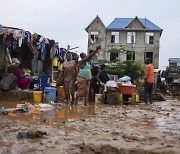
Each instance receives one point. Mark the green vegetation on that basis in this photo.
(119, 49)
(133, 69)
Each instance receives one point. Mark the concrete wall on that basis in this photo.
(98, 26)
(140, 47)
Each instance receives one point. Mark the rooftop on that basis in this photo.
(122, 23)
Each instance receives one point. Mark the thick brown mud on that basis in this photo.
(152, 129)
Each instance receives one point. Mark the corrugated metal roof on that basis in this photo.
(121, 23)
(174, 60)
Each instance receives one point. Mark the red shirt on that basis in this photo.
(149, 73)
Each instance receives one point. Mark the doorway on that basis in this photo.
(148, 55)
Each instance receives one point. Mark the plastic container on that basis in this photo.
(61, 93)
(54, 62)
(119, 96)
(60, 66)
(44, 81)
(126, 89)
(53, 84)
(137, 98)
(50, 94)
(98, 98)
(37, 97)
(7, 81)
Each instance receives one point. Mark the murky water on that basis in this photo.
(113, 129)
(8, 104)
(56, 116)
(170, 119)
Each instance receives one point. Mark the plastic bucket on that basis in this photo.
(137, 98)
(126, 89)
(54, 62)
(44, 81)
(118, 97)
(50, 94)
(61, 93)
(37, 97)
(98, 98)
(60, 66)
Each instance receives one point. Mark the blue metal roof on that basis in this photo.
(121, 23)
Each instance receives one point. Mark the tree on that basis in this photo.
(132, 69)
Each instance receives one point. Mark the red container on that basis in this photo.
(126, 89)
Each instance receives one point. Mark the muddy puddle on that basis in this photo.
(152, 129)
(8, 104)
(59, 115)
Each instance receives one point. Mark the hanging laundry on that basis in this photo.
(28, 36)
(35, 36)
(38, 41)
(57, 50)
(63, 53)
(15, 44)
(46, 40)
(23, 34)
(43, 47)
(9, 41)
(5, 34)
(1, 29)
(17, 34)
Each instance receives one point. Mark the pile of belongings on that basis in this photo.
(125, 80)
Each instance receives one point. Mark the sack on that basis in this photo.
(7, 81)
(60, 79)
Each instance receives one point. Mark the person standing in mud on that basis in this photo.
(94, 84)
(84, 76)
(69, 74)
(102, 75)
(149, 80)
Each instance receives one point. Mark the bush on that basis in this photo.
(132, 69)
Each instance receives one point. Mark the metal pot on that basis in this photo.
(112, 89)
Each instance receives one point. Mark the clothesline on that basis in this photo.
(11, 28)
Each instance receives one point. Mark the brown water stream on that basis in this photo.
(95, 129)
(56, 116)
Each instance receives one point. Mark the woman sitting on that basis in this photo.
(23, 82)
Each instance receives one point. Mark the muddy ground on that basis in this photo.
(149, 129)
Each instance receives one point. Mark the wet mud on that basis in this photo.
(94, 129)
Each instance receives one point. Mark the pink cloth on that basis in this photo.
(22, 82)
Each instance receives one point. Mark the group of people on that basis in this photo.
(79, 73)
(90, 78)
(87, 77)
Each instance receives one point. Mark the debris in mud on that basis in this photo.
(63, 122)
(31, 134)
(133, 137)
(3, 111)
(159, 97)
